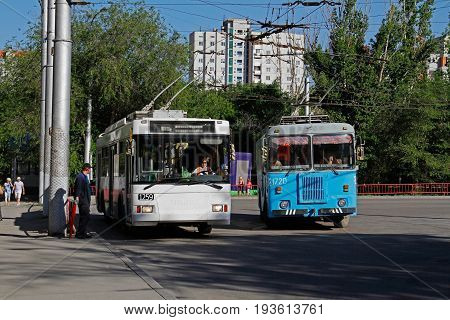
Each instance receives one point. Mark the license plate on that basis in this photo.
(146, 196)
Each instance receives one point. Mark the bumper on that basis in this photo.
(311, 213)
(149, 219)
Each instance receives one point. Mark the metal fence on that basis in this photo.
(404, 189)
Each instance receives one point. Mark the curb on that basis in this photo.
(141, 273)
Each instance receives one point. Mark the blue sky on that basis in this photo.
(192, 15)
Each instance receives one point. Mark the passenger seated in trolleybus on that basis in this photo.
(333, 151)
(290, 153)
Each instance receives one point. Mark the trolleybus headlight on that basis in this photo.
(342, 202)
(147, 209)
(217, 208)
(284, 204)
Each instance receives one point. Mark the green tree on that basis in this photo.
(122, 57)
(258, 106)
(200, 103)
(383, 86)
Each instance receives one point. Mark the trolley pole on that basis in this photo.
(44, 18)
(59, 174)
(48, 101)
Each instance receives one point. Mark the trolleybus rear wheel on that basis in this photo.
(341, 222)
(204, 228)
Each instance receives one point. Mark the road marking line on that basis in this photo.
(141, 273)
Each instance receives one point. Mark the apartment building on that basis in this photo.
(439, 61)
(233, 55)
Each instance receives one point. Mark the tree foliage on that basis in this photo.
(383, 86)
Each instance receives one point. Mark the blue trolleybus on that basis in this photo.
(306, 168)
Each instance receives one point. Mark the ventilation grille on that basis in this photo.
(312, 189)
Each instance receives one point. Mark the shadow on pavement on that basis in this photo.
(32, 223)
(238, 222)
(336, 266)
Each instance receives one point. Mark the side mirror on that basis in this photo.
(264, 153)
(360, 151)
(131, 147)
(232, 152)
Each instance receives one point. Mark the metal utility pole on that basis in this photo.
(44, 17)
(307, 111)
(59, 175)
(48, 100)
(87, 145)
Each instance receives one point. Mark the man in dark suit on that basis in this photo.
(82, 196)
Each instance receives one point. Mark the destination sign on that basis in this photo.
(182, 127)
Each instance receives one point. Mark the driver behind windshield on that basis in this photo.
(203, 169)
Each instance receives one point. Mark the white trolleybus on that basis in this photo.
(160, 167)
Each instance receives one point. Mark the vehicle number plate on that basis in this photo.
(146, 196)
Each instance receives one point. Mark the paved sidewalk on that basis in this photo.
(35, 266)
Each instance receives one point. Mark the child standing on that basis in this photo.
(241, 186)
(249, 186)
(8, 188)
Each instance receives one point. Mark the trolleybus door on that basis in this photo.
(129, 179)
(112, 152)
(129, 174)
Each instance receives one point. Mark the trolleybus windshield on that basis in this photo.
(166, 158)
(291, 152)
(333, 151)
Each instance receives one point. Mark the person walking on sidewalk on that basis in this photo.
(82, 197)
(19, 190)
(8, 189)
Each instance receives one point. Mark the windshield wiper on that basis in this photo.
(187, 181)
(334, 170)
(162, 181)
(207, 183)
(292, 169)
(289, 171)
(150, 185)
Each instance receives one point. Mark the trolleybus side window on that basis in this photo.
(291, 152)
(333, 151)
(122, 158)
(149, 158)
(105, 162)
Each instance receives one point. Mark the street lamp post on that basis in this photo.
(44, 19)
(59, 172)
(48, 100)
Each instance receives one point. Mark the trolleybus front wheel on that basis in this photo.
(204, 228)
(341, 222)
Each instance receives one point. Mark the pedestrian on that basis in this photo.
(249, 186)
(19, 190)
(82, 197)
(241, 186)
(8, 189)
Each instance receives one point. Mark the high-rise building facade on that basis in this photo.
(234, 55)
(439, 61)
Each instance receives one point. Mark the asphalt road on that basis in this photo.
(394, 249)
